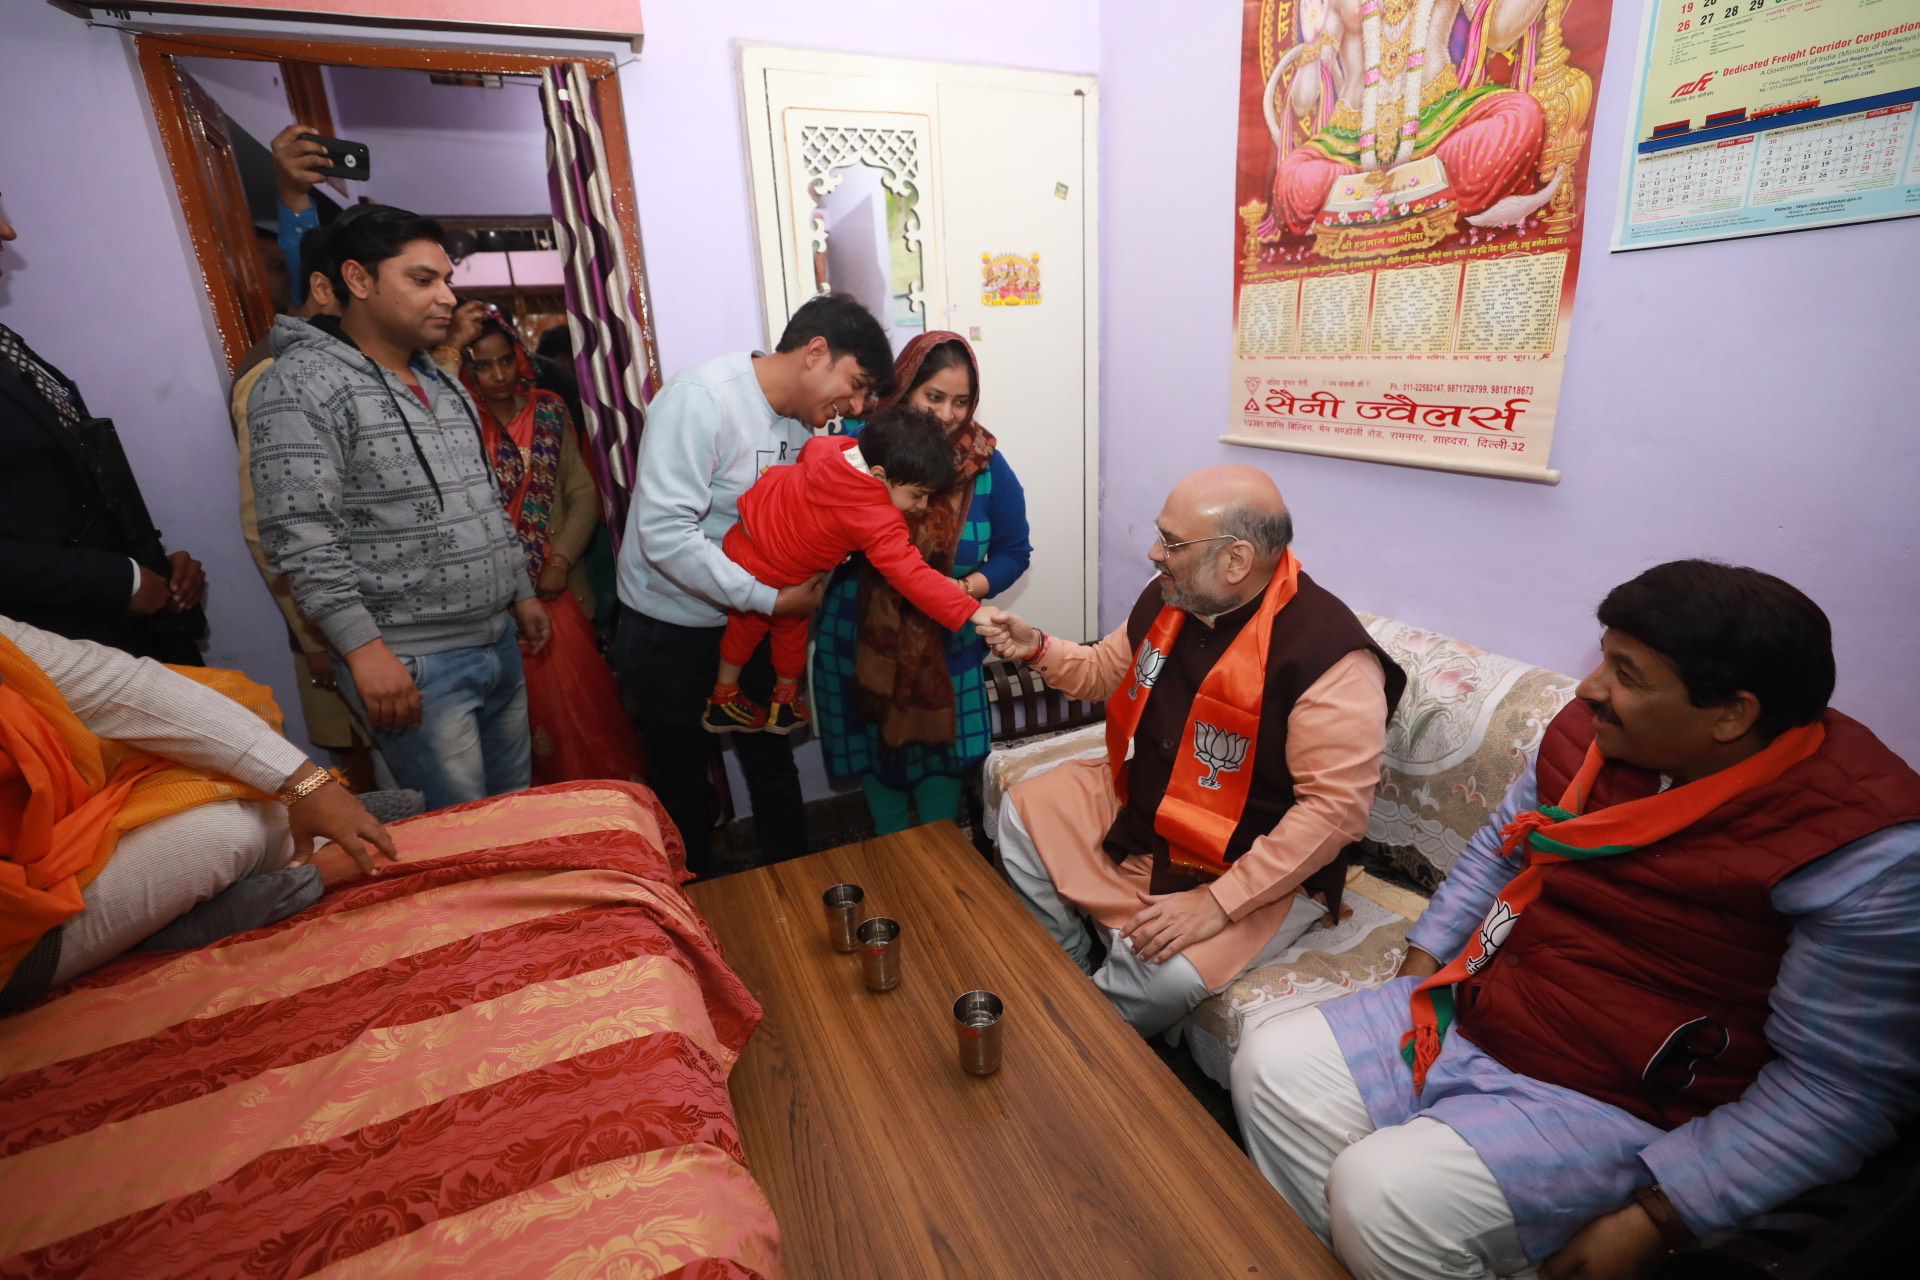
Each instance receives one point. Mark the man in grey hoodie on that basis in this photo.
(710, 433)
(377, 504)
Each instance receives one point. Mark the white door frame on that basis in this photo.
(769, 185)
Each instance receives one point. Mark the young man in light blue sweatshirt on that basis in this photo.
(710, 433)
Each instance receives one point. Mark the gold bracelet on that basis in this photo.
(300, 790)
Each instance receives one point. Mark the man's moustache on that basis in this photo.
(1603, 713)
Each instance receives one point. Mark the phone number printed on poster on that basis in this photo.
(1410, 205)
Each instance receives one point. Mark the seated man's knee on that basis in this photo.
(1276, 1058)
(1151, 997)
(1412, 1200)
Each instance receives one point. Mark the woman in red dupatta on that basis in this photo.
(573, 706)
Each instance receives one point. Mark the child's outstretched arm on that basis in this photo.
(901, 564)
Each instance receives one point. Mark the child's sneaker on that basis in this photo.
(788, 712)
(734, 713)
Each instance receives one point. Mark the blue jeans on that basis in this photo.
(472, 741)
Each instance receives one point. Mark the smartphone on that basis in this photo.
(349, 159)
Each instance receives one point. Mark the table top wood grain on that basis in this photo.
(1082, 1157)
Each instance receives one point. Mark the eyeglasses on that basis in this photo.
(1171, 547)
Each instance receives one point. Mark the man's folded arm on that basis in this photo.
(1846, 1024)
(1336, 734)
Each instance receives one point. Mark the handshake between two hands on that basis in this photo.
(1008, 635)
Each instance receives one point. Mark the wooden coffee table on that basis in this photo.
(1083, 1157)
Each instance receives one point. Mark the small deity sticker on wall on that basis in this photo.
(1010, 280)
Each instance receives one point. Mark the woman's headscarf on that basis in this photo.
(900, 662)
(525, 456)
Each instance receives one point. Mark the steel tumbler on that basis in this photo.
(843, 904)
(880, 953)
(976, 1017)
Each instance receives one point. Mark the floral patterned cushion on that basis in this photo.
(1465, 729)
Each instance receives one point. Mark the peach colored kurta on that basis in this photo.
(1336, 734)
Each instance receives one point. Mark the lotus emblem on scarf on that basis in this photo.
(1146, 669)
(1493, 934)
(1219, 750)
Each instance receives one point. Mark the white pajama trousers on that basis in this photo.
(1408, 1202)
(1151, 997)
(164, 869)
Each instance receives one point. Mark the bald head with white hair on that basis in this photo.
(1221, 535)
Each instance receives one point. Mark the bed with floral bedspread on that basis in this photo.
(505, 1057)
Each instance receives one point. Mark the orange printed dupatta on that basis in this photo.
(66, 796)
(1563, 833)
(1213, 773)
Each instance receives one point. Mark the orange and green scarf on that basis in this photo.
(1562, 833)
(1212, 775)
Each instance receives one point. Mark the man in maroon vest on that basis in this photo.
(1674, 983)
(1246, 717)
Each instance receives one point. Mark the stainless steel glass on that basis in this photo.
(880, 953)
(843, 906)
(976, 1018)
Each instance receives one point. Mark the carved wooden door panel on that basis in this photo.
(200, 154)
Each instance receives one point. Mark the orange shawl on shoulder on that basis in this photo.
(66, 796)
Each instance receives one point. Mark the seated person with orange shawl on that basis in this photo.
(1672, 984)
(1246, 716)
(130, 793)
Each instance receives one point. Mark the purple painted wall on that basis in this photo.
(104, 283)
(689, 144)
(1749, 400)
(444, 150)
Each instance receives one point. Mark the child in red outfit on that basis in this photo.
(841, 496)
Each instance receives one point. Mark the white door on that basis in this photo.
(962, 198)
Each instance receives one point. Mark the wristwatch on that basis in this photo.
(318, 778)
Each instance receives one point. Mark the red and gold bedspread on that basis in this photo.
(506, 1057)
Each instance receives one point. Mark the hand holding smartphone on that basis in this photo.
(350, 160)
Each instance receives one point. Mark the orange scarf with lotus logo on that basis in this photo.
(1569, 832)
(1213, 772)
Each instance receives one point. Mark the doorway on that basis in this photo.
(216, 101)
(895, 181)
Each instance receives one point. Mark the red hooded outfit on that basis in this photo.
(803, 519)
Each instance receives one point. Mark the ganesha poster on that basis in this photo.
(1411, 201)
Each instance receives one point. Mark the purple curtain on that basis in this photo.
(613, 349)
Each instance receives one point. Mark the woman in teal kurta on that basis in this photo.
(899, 704)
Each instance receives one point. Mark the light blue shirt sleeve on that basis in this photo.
(1467, 894)
(292, 227)
(1846, 1024)
(679, 456)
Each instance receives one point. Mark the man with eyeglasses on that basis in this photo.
(1246, 718)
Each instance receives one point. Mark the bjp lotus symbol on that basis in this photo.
(1219, 750)
(1146, 669)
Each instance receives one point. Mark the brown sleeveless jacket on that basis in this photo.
(1314, 631)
